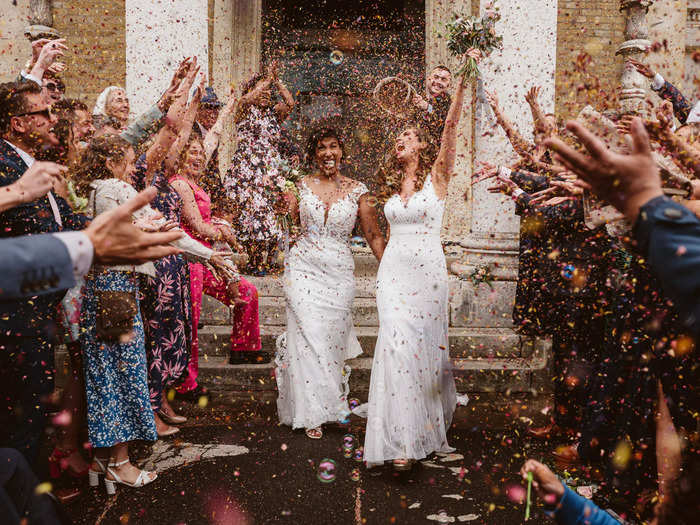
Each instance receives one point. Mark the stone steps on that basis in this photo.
(510, 375)
(487, 343)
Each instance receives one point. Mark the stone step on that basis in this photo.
(214, 341)
(469, 305)
(514, 375)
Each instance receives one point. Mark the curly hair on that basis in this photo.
(389, 175)
(93, 162)
(318, 135)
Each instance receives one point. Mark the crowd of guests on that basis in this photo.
(129, 321)
(623, 328)
(619, 300)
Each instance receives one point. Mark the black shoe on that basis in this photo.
(192, 395)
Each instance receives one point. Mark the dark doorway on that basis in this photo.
(333, 53)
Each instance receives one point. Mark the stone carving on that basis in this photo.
(41, 20)
(634, 84)
(41, 12)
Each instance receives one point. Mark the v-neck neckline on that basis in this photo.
(327, 207)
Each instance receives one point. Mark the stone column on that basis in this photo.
(528, 58)
(437, 13)
(159, 35)
(40, 20)
(222, 68)
(634, 84)
(246, 40)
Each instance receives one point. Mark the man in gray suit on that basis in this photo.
(33, 265)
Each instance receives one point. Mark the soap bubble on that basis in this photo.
(355, 474)
(353, 403)
(348, 445)
(337, 57)
(326, 471)
(568, 271)
(359, 454)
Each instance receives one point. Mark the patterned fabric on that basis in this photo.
(681, 106)
(116, 384)
(166, 305)
(69, 314)
(254, 181)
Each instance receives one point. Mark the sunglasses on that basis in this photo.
(53, 86)
(46, 113)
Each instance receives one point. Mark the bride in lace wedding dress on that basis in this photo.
(319, 285)
(412, 394)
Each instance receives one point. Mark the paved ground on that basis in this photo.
(235, 465)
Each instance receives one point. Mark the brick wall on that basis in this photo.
(595, 27)
(95, 33)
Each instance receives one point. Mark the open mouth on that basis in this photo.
(400, 148)
(329, 164)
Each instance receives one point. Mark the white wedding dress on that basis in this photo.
(412, 393)
(319, 286)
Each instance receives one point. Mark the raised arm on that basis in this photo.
(191, 215)
(445, 162)
(284, 108)
(520, 145)
(369, 222)
(538, 117)
(211, 141)
(184, 132)
(169, 132)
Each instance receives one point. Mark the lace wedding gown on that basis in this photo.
(319, 286)
(412, 392)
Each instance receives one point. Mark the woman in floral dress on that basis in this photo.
(166, 308)
(254, 181)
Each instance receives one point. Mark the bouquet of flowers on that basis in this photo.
(465, 33)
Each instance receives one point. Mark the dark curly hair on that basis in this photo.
(318, 135)
(389, 175)
(93, 161)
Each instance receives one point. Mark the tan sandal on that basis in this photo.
(314, 433)
(403, 465)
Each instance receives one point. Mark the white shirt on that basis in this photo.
(80, 250)
(29, 161)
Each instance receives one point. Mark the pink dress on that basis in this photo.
(245, 335)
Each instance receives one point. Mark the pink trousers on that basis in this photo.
(245, 334)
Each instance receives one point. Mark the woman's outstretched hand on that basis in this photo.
(545, 482)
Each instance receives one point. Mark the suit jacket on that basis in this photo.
(434, 120)
(681, 106)
(33, 317)
(34, 265)
(669, 237)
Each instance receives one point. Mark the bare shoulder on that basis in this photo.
(181, 186)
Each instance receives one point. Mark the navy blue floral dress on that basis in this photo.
(165, 304)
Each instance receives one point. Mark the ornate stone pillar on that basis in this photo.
(40, 20)
(634, 84)
(437, 13)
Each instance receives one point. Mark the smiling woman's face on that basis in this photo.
(194, 158)
(408, 144)
(328, 155)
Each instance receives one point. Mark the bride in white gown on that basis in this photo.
(412, 393)
(319, 285)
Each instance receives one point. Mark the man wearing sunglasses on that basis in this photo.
(27, 325)
(53, 88)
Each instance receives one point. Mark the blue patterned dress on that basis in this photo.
(118, 405)
(166, 305)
